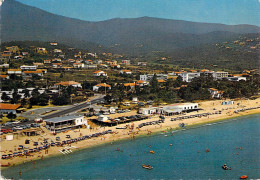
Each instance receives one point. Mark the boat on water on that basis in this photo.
(243, 177)
(207, 150)
(225, 167)
(147, 166)
(152, 152)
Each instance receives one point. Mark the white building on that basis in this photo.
(24, 67)
(78, 65)
(125, 71)
(237, 78)
(104, 85)
(68, 83)
(188, 76)
(57, 51)
(148, 111)
(59, 124)
(170, 109)
(148, 77)
(220, 75)
(99, 73)
(14, 71)
(215, 93)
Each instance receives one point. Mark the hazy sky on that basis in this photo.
(215, 11)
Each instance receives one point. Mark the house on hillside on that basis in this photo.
(215, 93)
(125, 71)
(25, 67)
(57, 65)
(53, 43)
(188, 76)
(98, 86)
(126, 62)
(131, 85)
(30, 74)
(13, 49)
(142, 83)
(78, 65)
(99, 73)
(4, 66)
(41, 50)
(47, 61)
(8, 108)
(68, 83)
(4, 77)
(57, 51)
(14, 71)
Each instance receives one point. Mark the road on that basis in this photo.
(75, 108)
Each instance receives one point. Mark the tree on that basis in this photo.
(5, 97)
(11, 116)
(23, 102)
(26, 93)
(16, 97)
(108, 99)
(154, 86)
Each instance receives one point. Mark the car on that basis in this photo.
(8, 123)
(35, 125)
(106, 113)
(16, 122)
(76, 104)
(6, 131)
(18, 128)
(23, 126)
(24, 120)
(28, 125)
(127, 110)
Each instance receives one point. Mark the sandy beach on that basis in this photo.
(120, 134)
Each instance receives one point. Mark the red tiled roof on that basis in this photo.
(33, 72)
(9, 106)
(103, 85)
(3, 76)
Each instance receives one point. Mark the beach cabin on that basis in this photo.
(59, 124)
(148, 111)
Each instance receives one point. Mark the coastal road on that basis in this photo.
(75, 108)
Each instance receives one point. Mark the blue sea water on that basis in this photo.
(185, 159)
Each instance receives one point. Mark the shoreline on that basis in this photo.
(124, 135)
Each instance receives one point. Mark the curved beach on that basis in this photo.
(227, 111)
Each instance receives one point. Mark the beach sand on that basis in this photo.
(120, 134)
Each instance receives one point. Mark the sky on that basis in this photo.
(212, 11)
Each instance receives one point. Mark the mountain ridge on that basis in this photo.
(22, 22)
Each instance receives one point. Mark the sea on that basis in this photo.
(178, 155)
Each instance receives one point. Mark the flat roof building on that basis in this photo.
(59, 124)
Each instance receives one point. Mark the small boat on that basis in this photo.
(207, 150)
(152, 152)
(147, 167)
(243, 177)
(225, 167)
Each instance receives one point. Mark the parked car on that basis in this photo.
(6, 131)
(35, 125)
